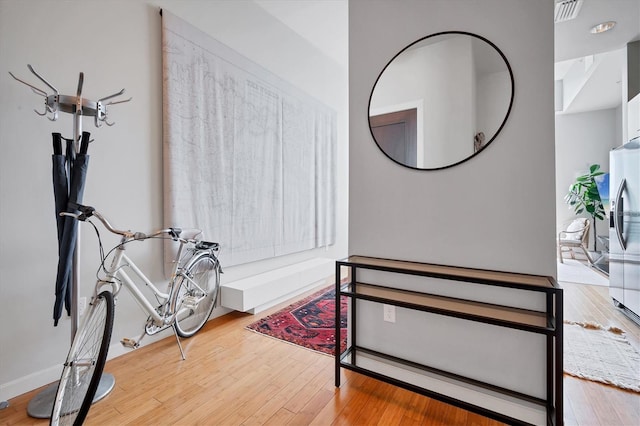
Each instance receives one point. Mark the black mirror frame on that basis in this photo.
(504, 58)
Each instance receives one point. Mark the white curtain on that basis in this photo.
(248, 158)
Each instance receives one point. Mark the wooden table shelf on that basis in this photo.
(475, 311)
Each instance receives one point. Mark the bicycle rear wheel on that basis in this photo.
(196, 294)
(85, 363)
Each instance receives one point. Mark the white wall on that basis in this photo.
(117, 45)
(583, 139)
(448, 118)
(492, 101)
(496, 211)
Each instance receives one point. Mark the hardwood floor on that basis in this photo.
(591, 403)
(236, 377)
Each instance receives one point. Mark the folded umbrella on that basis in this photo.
(61, 171)
(60, 182)
(77, 168)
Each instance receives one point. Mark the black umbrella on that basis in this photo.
(60, 181)
(61, 195)
(69, 175)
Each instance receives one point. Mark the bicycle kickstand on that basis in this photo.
(175, 332)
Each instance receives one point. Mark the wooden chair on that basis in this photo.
(576, 236)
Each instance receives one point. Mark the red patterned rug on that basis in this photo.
(309, 323)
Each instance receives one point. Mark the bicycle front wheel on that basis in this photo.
(85, 363)
(196, 294)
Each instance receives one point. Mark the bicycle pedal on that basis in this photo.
(129, 343)
(190, 302)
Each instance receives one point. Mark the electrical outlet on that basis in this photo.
(389, 313)
(82, 306)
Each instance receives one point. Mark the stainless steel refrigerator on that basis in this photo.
(624, 227)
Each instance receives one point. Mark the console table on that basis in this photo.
(547, 323)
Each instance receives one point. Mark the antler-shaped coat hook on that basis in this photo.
(72, 104)
(101, 115)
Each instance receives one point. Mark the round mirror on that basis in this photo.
(441, 100)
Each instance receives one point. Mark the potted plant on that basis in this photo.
(584, 196)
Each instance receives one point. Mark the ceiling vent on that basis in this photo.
(567, 10)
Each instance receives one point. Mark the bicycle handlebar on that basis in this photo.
(87, 211)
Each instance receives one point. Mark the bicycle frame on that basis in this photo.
(166, 314)
(117, 275)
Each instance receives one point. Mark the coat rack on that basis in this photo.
(41, 405)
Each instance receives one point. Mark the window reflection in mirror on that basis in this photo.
(441, 100)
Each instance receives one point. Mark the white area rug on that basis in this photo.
(573, 271)
(603, 355)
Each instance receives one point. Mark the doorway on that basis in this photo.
(396, 134)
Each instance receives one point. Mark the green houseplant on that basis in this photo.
(584, 196)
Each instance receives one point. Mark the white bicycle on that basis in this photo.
(191, 295)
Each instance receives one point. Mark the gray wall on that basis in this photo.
(496, 211)
(633, 69)
(117, 45)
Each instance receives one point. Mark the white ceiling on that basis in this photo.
(324, 24)
(574, 41)
(573, 38)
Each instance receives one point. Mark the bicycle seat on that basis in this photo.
(207, 245)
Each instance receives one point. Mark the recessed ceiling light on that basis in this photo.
(605, 26)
